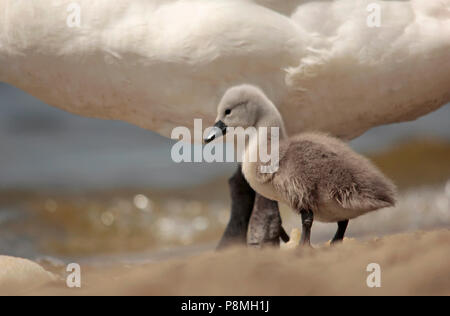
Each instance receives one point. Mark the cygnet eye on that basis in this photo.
(227, 112)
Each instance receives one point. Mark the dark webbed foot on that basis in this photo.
(340, 233)
(307, 221)
(265, 224)
(242, 201)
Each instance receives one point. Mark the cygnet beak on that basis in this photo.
(219, 130)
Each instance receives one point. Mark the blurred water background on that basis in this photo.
(74, 188)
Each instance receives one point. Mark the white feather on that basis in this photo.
(161, 63)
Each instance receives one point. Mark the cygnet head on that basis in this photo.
(245, 106)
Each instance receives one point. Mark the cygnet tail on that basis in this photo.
(380, 194)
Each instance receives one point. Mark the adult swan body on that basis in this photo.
(161, 63)
(336, 66)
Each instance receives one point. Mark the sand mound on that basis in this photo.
(21, 275)
(411, 264)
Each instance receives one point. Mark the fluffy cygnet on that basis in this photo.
(318, 176)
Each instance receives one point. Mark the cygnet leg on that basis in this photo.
(307, 221)
(340, 233)
(242, 201)
(265, 224)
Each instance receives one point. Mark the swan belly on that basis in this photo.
(329, 211)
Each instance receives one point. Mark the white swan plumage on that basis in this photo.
(161, 63)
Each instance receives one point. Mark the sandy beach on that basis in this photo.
(411, 264)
